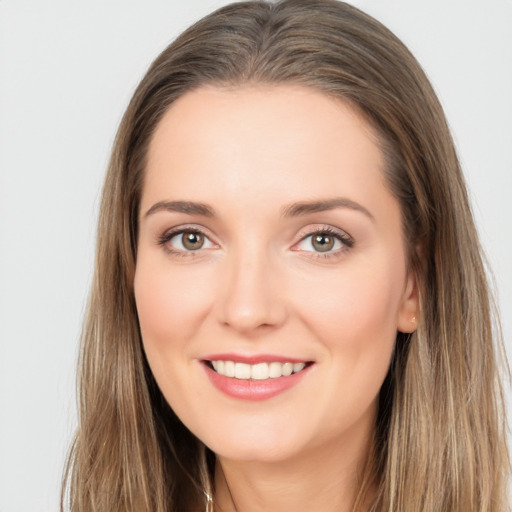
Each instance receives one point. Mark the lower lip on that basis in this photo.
(254, 390)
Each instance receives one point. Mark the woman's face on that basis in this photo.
(269, 243)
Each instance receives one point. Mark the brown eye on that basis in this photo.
(325, 242)
(322, 242)
(186, 241)
(192, 240)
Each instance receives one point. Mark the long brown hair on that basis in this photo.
(440, 434)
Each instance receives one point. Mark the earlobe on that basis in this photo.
(409, 309)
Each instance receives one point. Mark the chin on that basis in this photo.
(270, 444)
(255, 453)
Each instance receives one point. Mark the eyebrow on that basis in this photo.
(297, 209)
(188, 207)
(322, 205)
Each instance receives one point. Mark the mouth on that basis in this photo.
(254, 378)
(259, 371)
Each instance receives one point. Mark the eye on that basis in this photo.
(319, 242)
(186, 240)
(324, 241)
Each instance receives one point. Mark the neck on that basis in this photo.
(324, 480)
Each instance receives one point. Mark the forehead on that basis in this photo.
(219, 144)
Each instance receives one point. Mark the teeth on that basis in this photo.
(287, 369)
(259, 371)
(275, 370)
(242, 371)
(229, 368)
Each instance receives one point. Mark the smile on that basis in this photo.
(259, 371)
(252, 378)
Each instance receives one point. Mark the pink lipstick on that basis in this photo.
(256, 377)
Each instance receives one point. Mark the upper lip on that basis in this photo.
(255, 359)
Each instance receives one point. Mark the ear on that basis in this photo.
(408, 313)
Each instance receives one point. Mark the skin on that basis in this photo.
(259, 286)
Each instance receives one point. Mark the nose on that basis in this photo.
(252, 297)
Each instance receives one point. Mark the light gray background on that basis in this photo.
(67, 70)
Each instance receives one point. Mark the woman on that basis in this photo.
(289, 309)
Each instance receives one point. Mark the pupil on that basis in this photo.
(323, 243)
(193, 241)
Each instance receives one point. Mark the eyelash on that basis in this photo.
(346, 241)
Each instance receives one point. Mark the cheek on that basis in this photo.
(354, 315)
(368, 307)
(355, 299)
(170, 305)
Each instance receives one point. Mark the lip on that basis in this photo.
(253, 390)
(254, 359)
